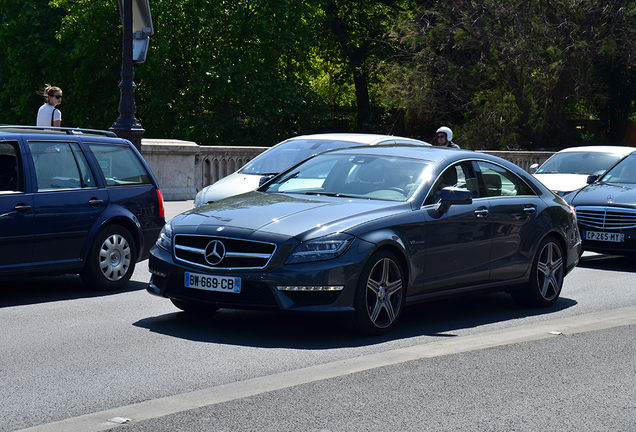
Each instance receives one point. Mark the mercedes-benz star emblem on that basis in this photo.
(214, 252)
(610, 199)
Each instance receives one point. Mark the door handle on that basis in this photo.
(481, 212)
(95, 202)
(530, 209)
(22, 208)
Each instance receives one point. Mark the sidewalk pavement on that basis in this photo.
(173, 208)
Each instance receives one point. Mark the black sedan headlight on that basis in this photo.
(320, 249)
(164, 241)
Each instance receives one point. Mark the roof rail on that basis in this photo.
(57, 130)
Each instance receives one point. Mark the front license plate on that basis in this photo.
(212, 283)
(604, 236)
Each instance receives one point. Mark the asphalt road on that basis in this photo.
(74, 360)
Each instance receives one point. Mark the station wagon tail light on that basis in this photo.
(162, 212)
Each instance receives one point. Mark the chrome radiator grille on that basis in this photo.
(221, 252)
(606, 217)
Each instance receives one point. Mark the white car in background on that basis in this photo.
(285, 154)
(569, 169)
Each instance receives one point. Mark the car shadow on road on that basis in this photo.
(439, 319)
(608, 262)
(18, 292)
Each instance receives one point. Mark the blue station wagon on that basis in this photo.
(75, 201)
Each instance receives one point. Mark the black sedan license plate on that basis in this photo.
(212, 283)
(604, 236)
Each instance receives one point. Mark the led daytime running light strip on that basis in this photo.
(310, 288)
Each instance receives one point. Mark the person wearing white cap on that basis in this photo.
(444, 138)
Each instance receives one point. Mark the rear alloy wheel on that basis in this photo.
(379, 295)
(111, 259)
(546, 279)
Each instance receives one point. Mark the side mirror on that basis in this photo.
(533, 168)
(264, 180)
(454, 195)
(592, 178)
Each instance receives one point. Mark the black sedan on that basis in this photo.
(606, 210)
(363, 231)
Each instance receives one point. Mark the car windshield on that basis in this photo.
(624, 172)
(579, 163)
(289, 153)
(360, 176)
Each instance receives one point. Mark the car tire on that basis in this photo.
(111, 259)
(195, 308)
(546, 278)
(379, 297)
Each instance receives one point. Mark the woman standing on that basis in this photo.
(48, 114)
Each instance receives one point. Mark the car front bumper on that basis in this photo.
(260, 288)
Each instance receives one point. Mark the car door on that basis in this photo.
(458, 243)
(16, 210)
(67, 202)
(514, 208)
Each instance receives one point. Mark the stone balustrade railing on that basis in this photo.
(183, 168)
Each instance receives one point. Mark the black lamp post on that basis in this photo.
(127, 125)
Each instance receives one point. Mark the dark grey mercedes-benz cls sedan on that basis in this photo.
(363, 231)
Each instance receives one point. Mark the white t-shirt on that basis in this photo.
(44, 115)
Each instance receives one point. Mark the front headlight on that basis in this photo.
(165, 238)
(323, 248)
(198, 199)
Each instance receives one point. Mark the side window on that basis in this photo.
(60, 166)
(11, 175)
(498, 181)
(459, 175)
(466, 179)
(119, 164)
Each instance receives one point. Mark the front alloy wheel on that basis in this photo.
(380, 294)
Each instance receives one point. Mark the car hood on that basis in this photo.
(228, 186)
(285, 214)
(601, 194)
(563, 182)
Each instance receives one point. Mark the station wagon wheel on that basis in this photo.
(111, 259)
(380, 294)
(546, 279)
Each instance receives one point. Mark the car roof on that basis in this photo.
(437, 154)
(431, 153)
(55, 131)
(362, 138)
(624, 150)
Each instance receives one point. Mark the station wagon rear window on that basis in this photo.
(119, 164)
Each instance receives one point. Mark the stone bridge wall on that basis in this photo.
(183, 168)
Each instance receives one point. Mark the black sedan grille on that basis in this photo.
(222, 252)
(606, 217)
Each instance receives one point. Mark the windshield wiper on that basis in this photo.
(331, 194)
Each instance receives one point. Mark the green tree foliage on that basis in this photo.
(227, 71)
(354, 40)
(90, 62)
(29, 58)
(509, 72)
(252, 72)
